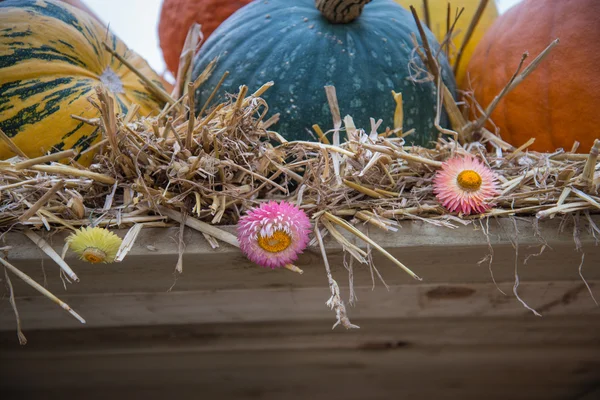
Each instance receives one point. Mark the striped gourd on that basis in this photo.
(51, 59)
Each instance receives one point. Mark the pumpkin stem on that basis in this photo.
(341, 11)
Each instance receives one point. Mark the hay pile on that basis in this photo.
(216, 167)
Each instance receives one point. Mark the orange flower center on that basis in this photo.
(469, 180)
(279, 241)
(94, 255)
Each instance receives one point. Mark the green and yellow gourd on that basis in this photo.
(362, 48)
(51, 59)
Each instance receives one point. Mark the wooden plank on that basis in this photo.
(376, 335)
(592, 393)
(439, 255)
(225, 306)
(231, 330)
(410, 234)
(475, 372)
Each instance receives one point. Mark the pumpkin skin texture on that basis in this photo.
(292, 44)
(438, 10)
(82, 6)
(51, 59)
(557, 103)
(177, 16)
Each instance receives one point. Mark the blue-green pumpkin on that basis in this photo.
(362, 48)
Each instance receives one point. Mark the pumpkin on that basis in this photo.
(177, 16)
(82, 6)
(558, 102)
(51, 59)
(438, 11)
(297, 45)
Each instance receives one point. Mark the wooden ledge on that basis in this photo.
(238, 331)
(219, 286)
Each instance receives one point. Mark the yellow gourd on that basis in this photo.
(438, 10)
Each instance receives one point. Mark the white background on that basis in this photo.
(136, 23)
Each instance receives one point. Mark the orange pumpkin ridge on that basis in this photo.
(556, 104)
(177, 16)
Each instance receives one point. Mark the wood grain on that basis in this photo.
(232, 330)
(431, 372)
(226, 306)
(439, 255)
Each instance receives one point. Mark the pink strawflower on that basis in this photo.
(465, 184)
(273, 234)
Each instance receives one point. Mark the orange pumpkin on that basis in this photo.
(177, 16)
(559, 102)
